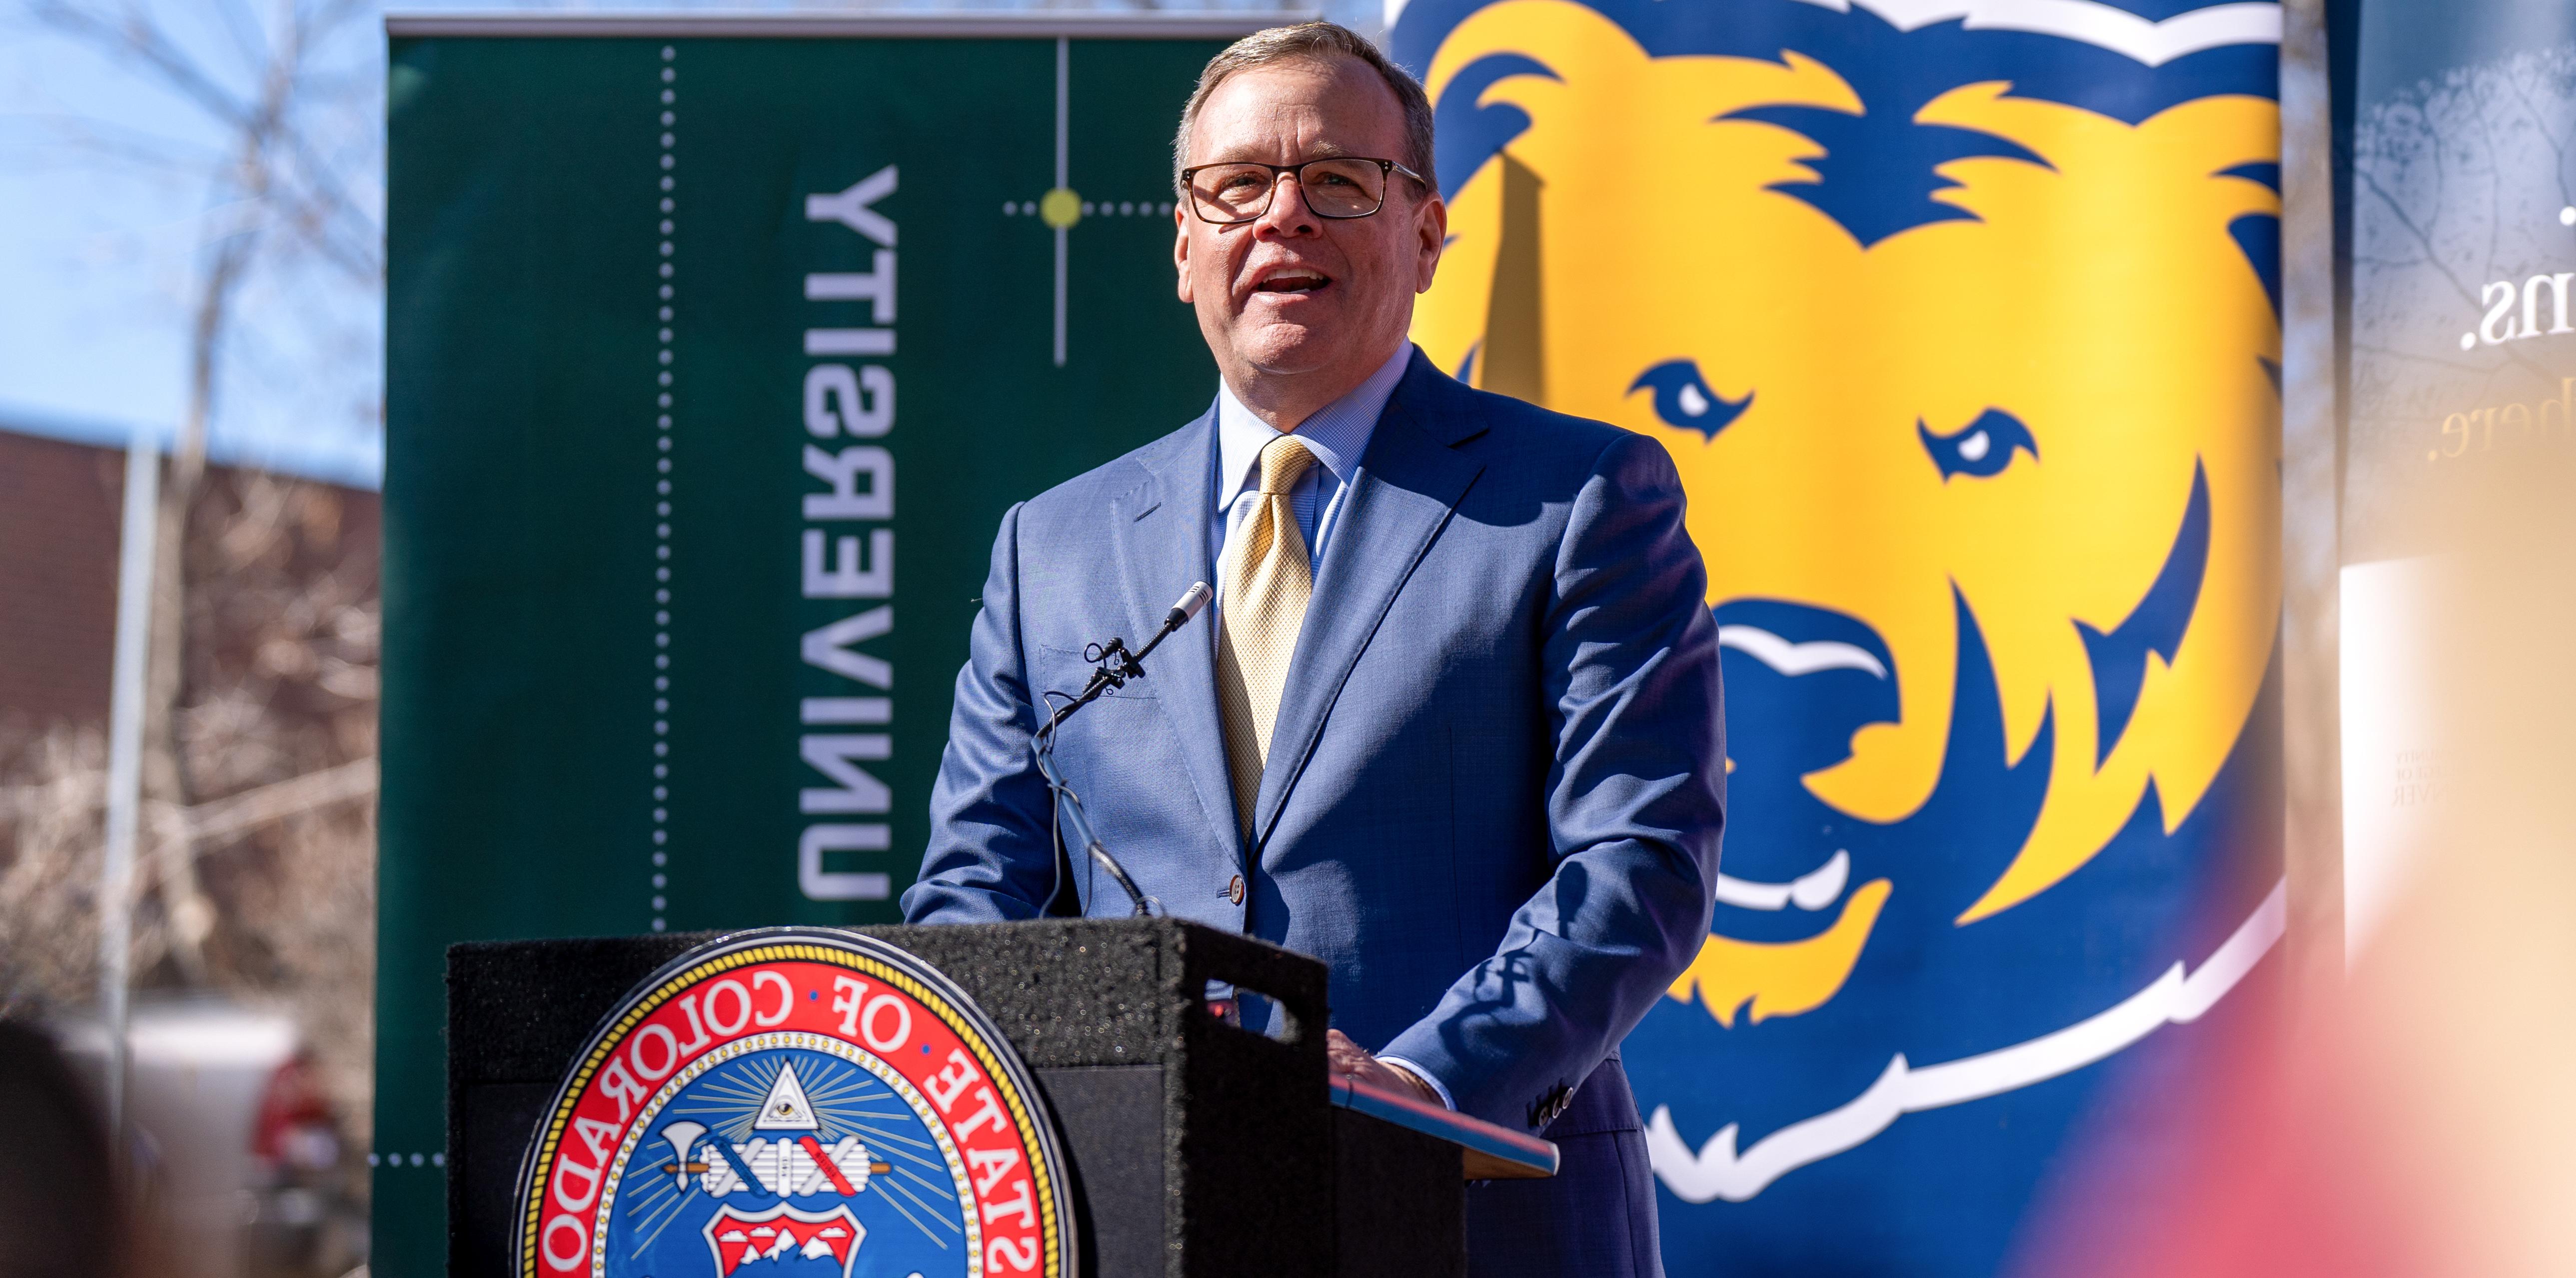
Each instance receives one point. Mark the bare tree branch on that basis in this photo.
(265, 118)
(244, 30)
(272, 166)
(231, 818)
(142, 38)
(108, 140)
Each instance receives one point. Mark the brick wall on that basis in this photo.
(61, 510)
(59, 507)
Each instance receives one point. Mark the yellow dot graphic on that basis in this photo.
(1060, 208)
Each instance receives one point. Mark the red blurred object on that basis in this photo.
(293, 1127)
(2288, 1172)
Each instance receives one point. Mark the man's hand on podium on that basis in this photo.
(1354, 1061)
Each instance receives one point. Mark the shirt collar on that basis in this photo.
(1338, 433)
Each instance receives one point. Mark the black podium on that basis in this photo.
(1196, 1147)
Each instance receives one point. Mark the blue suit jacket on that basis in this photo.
(1494, 792)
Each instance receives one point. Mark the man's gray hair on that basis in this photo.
(1312, 40)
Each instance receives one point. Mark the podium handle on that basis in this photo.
(1486, 1151)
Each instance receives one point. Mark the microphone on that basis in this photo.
(1114, 666)
(1192, 602)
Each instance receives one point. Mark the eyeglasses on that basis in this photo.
(1341, 187)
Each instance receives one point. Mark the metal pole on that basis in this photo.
(125, 764)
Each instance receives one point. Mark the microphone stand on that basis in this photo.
(1113, 665)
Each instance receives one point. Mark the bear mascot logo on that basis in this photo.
(1960, 321)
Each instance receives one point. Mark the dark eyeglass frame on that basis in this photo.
(1386, 169)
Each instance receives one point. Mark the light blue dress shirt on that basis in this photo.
(1338, 433)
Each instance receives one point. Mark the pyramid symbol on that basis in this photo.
(786, 1107)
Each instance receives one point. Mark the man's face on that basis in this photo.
(1291, 292)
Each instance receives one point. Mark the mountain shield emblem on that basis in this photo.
(783, 1233)
(788, 1102)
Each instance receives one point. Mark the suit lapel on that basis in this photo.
(1159, 532)
(1409, 481)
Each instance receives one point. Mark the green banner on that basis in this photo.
(715, 350)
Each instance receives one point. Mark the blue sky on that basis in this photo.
(108, 202)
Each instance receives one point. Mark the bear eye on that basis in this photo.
(1683, 398)
(1982, 448)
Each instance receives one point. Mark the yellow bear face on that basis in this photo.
(2037, 408)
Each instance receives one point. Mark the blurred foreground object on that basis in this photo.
(233, 1146)
(255, 897)
(2416, 1120)
(58, 1205)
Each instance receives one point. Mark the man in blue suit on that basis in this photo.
(1454, 726)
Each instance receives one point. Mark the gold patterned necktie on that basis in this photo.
(1267, 585)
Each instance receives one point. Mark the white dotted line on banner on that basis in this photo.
(431, 1159)
(1100, 208)
(662, 502)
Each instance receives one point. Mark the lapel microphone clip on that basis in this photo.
(1113, 665)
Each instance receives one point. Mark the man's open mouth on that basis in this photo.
(1294, 279)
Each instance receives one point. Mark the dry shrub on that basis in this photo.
(255, 868)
